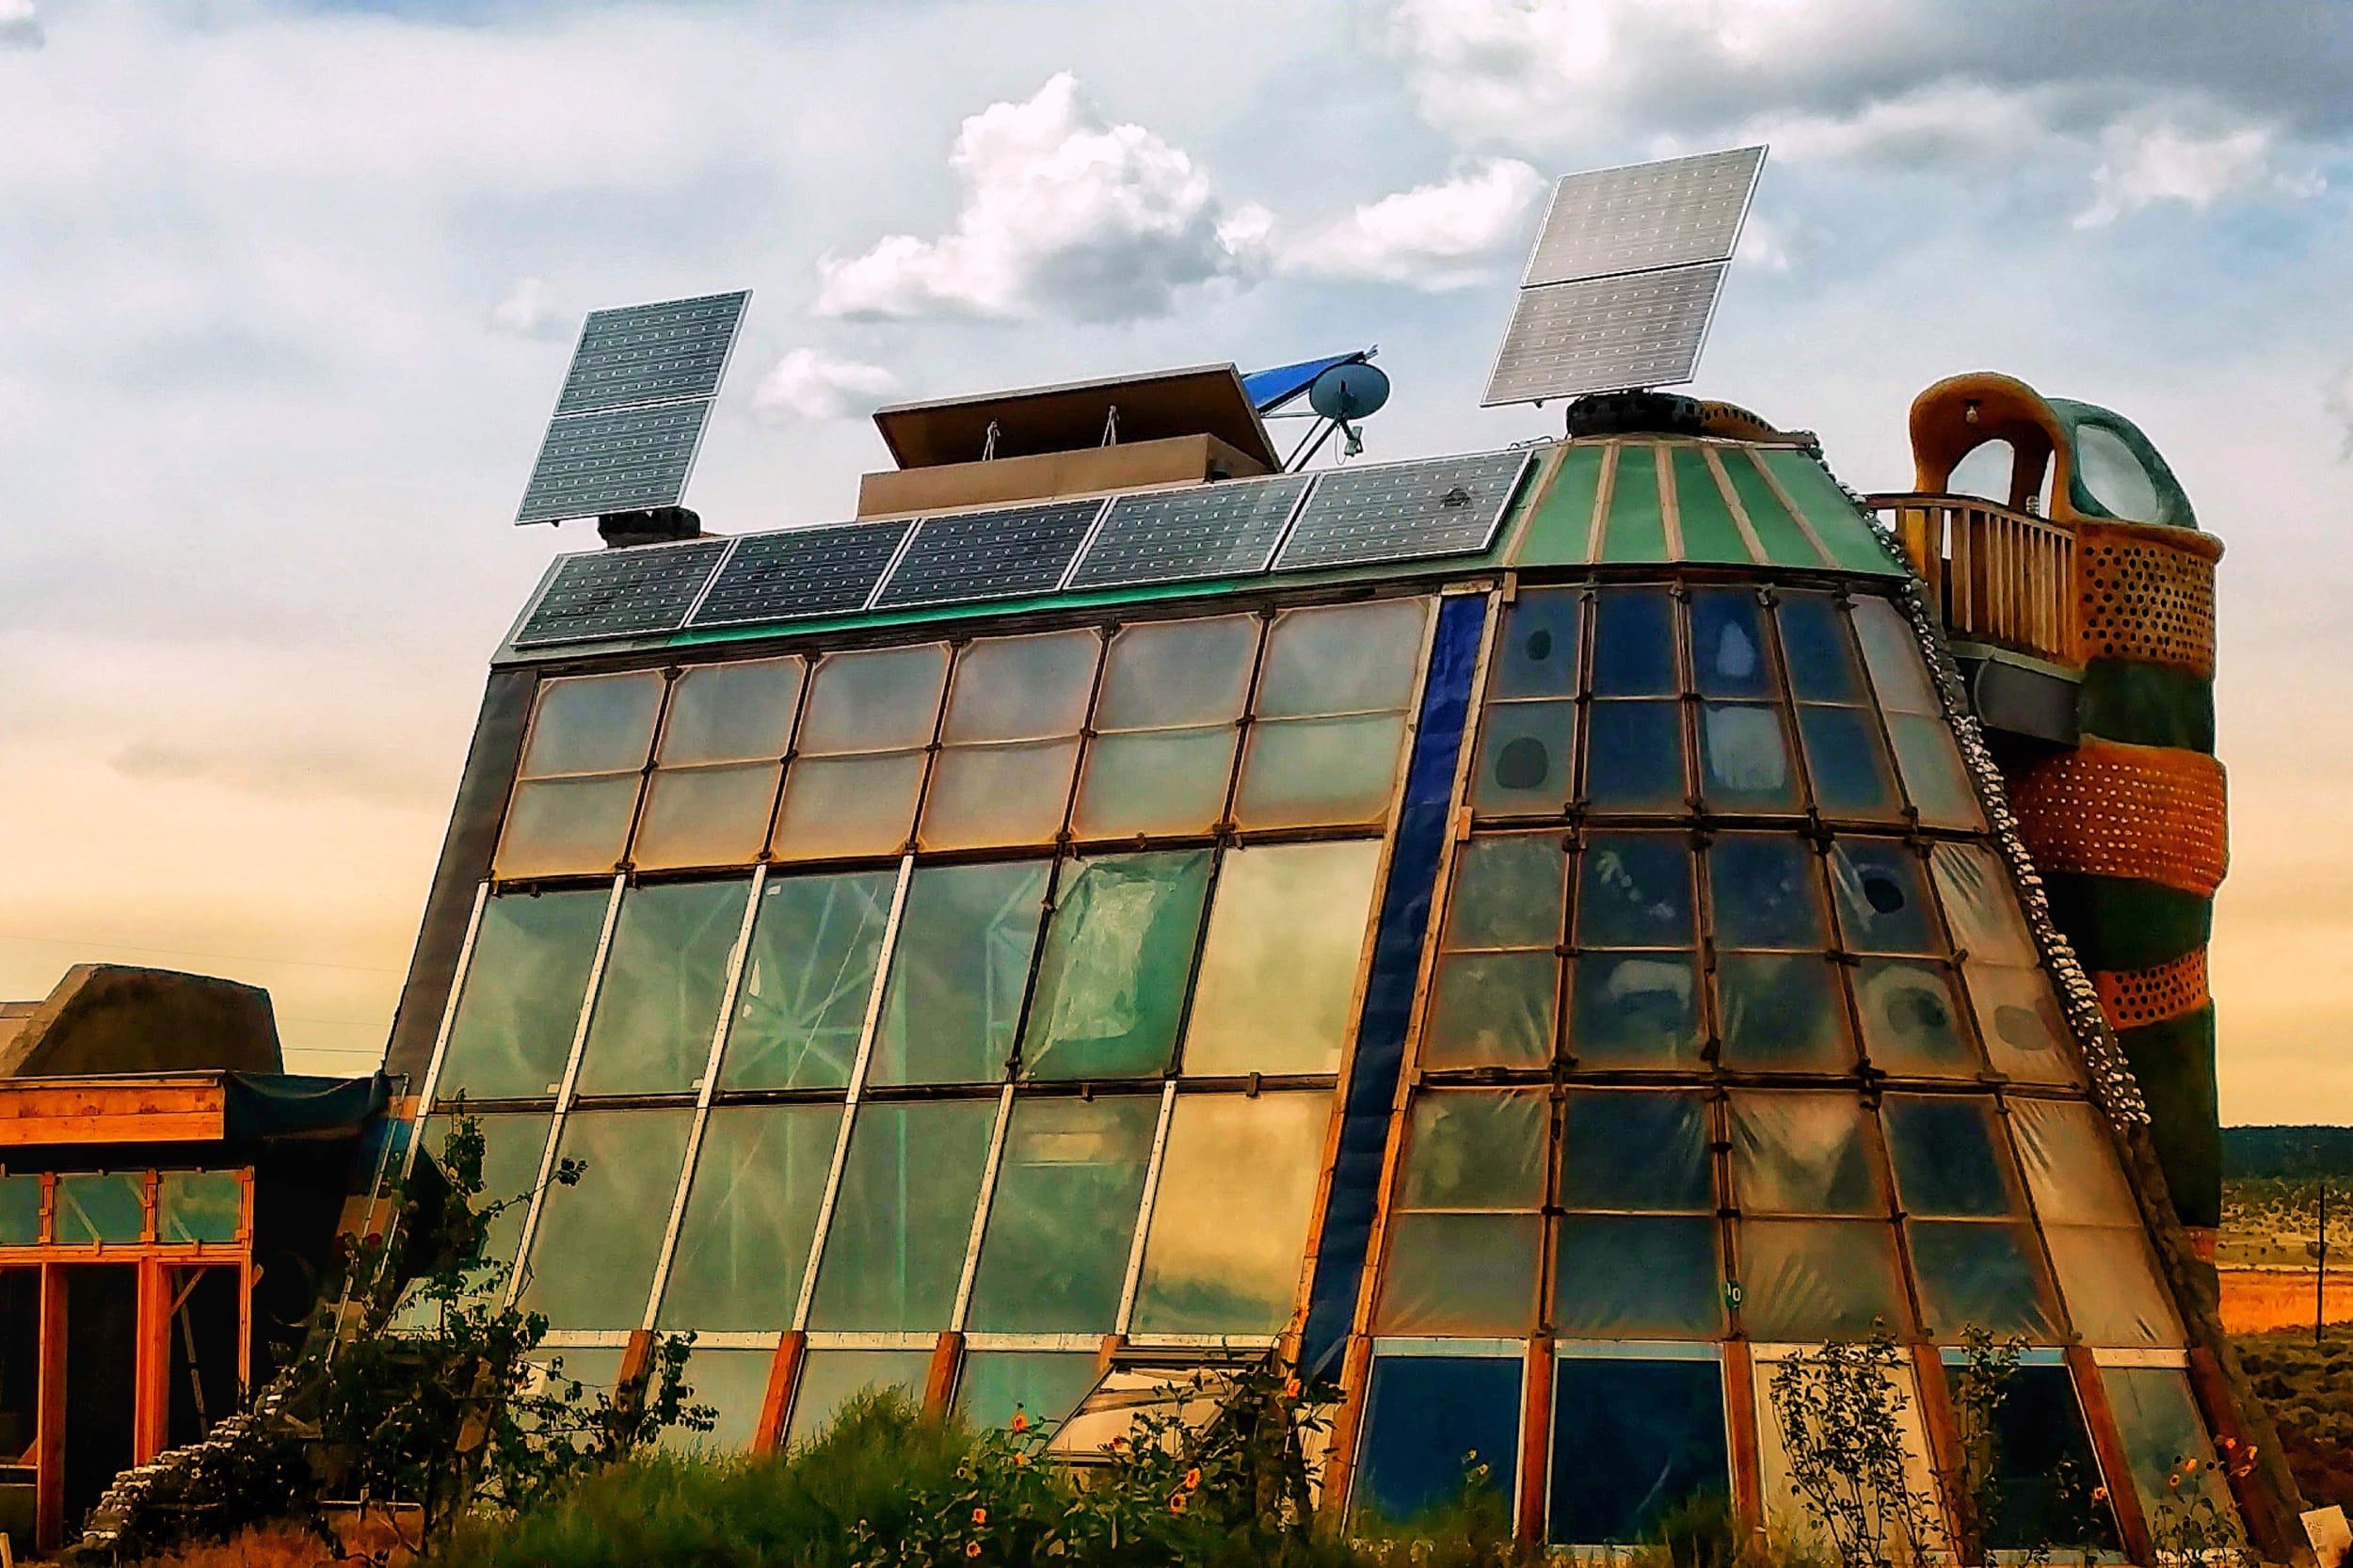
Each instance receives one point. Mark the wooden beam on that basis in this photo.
(50, 1112)
(1747, 1469)
(1339, 1453)
(49, 1442)
(151, 1375)
(1535, 1442)
(2264, 1526)
(2107, 1447)
(939, 1383)
(1962, 1528)
(776, 1403)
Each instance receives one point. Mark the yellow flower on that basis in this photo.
(1021, 1421)
(1193, 1478)
(1176, 1502)
(972, 1548)
(980, 1517)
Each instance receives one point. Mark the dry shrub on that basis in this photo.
(255, 1546)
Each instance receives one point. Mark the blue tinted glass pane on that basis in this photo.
(1634, 643)
(1633, 890)
(1882, 899)
(1847, 763)
(1536, 655)
(1634, 756)
(1768, 892)
(1631, 1440)
(1744, 757)
(1945, 1159)
(1976, 1276)
(1634, 1009)
(1814, 644)
(1781, 1011)
(1044, 1385)
(1639, 1151)
(1431, 1423)
(1526, 750)
(1728, 644)
(1633, 1277)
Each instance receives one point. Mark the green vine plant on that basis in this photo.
(1840, 1412)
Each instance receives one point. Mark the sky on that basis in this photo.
(286, 290)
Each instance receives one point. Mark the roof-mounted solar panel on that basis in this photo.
(1645, 215)
(1404, 511)
(621, 593)
(652, 353)
(1008, 553)
(1191, 535)
(802, 572)
(629, 459)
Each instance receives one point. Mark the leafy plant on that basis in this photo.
(1840, 1411)
(2193, 1524)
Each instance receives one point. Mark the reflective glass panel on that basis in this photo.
(1477, 1149)
(1044, 1385)
(1155, 781)
(1635, 1010)
(1022, 688)
(561, 826)
(1430, 1421)
(1634, 756)
(1818, 1279)
(1980, 905)
(592, 1253)
(1814, 644)
(1911, 1023)
(1525, 753)
(658, 1004)
(2111, 1287)
(1803, 1154)
(709, 816)
(1118, 953)
(99, 1205)
(894, 1252)
(830, 1379)
(838, 806)
(1768, 892)
(2156, 1414)
(1744, 757)
(1973, 1275)
(809, 976)
(1490, 1010)
(199, 1205)
(1506, 891)
(1633, 890)
(1781, 1012)
(1536, 653)
(1882, 899)
(1342, 659)
(730, 712)
(512, 1147)
(1168, 674)
(1847, 763)
(1945, 1154)
(519, 1006)
(593, 723)
(2025, 1034)
(1933, 775)
(1728, 643)
(1054, 1256)
(1634, 1150)
(1898, 672)
(957, 973)
(1229, 1216)
(1459, 1275)
(734, 1383)
(750, 1214)
(983, 795)
(885, 700)
(1300, 773)
(2070, 1158)
(1279, 968)
(1632, 1441)
(1637, 1276)
(1634, 643)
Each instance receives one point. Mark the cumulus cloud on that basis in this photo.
(1443, 236)
(527, 311)
(2161, 162)
(1063, 211)
(20, 25)
(810, 383)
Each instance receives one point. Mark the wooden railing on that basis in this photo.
(2001, 577)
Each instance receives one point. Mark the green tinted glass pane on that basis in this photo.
(512, 1147)
(1062, 1215)
(1022, 688)
(1634, 1150)
(1506, 891)
(808, 977)
(734, 1383)
(592, 1255)
(1814, 647)
(1818, 1279)
(199, 1205)
(830, 1379)
(658, 1004)
(2157, 1414)
(1229, 1216)
(101, 1207)
(1708, 532)
(1634, 756)
(1301, 773)
(519, 1006)
(1979, 1275)
(567, 826)
(1342, 659)
(883, 700)
(743, 1243)
(1634, 643)
(838, 806)
(1537, 652)
(1042, 1386)
(1932, 773)
(986, 795)
(1883, 898)
(1478, 1150)
(1624, 1276)
(1911, 1023)
(1803, 1154)
(1169, 674)
(895, 1252)
(1943, 1151)
(1744, 757)
(1768, 892)
(1638, 531)
(1786, 542)
(1154, 781)
(1634, 1009)
(1279, 968)
(1525, 753)
(706, 816)
(1836, 523)
(1633, 890)
(20, 1209)
(1561, 530)
(1118, 954)
(593, 723)
(730, 712)
(1490, 1010)
(1728, 644)
(957, 973)
(1461, 1275)
(1847, 763)
(1781, 1012)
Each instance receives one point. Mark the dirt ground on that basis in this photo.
(2257, 1300)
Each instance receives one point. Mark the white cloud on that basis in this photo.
(2161, 162)
(1062, 211)
(810, 383)
(1437, 236)
(2339, 401)
(20, 25)
(526, 311)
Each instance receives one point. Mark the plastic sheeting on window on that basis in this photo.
(830, 1379)
(1163, 753)
(1009, 741)
(809, 978)
(593, 723)
(1818, 1279)
(894, 1248)
(1119, 949)
(1911, 1021)
(1490, 1010)
(707, 816)
(657, 1005)
(1477, 1149)
(1781, 1012)
(2156, 1414)
(751, 1213)
(1634, 1149)
(1767, 892)
(887, 699)
(2111, 1287)
(1277, 978)
(1508, 889)
(859, 756)
(1883, 898)
(1803, 1152)
(1537, 651)
(1898, 672)
(519, 1006)
(594, 1247)
(1631, 1442)
(1624, 1276)
(1062, 1217)
(730, 712)
(1431, 1425)
(1329, 716)
(2025, 1035)
(717, 769)
(578, 780)
(1728, 643)
(1527, 755)
(1744, 757)
(1933, 775)
(1633, 890)
(1229, 1216)
(567, 826)
(1456, 1274)
(1847, 763)
(959, 971)
(1635, 1010)
(1981, 904)
(1975, 1273)
(2071, 1163)
(1947, 1158)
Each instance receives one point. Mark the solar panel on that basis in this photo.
(1005, 553)
(1404, 511)
(802, 572)
(652, 353)
(621, 593)
(625, 460)
(1604, 334)
(1222, 530)
(1645, 215)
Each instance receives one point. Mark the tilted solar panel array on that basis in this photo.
(1238, 528)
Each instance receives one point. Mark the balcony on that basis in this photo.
(2002, 579)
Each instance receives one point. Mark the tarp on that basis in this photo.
(280, 1105)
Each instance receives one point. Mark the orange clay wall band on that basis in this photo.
(2149, 813)
(2132, 997)
(2145, 593)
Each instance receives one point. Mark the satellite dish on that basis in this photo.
(1348, 392)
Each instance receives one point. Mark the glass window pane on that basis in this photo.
(1300, 773)
(1637, 1276)
(1634, 756)
(731, 712)
(2072, 1168)
(1506, 891)
(957, 973)
(1632, 1441)
(1882, 899)
(1490, 1010)
(559, 826)
(809, 976)
(2018, 1016)
(1911, 1024)
(1939, 787)
(100, 1206)
(1781, 1012)
(1477, 1149)
(1430, 1421)
(1633, 890)
(1803, 1154)
(1635, 1010)
(1118, 954)
(2111, 1287)
(658, 1004)
(1044, 1385)
(1634, 643)
(1536, 655)
(1728, 643)
(1744, 757)
(1062, 1215)
(1943, 1151)
(592, 1255)
(830, 1379)
(1022, 688)
(838, 807)
(1154, 781)
(1973, 1275)
(521, 1003)
(512, 1147)
(2156, 1414)
(593, 723)
(997, 795)
(1342, 659)
(1847, 763)
(1766, 891)
(1898, 672)
(706, 816)
(2046, 1467)
(1818, 1279)
(885, 700)
(1279, 968)
(1229, 1216)
(1525, 751)
(199, 1205)
(1979, 904)
(1461, 1275)
(734, 1383)
(1627, 1149)
(1814, 646)
(1165, 674)
(20, 1209)
(894, 1253)
(743, 1245)
(1789, 1514)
